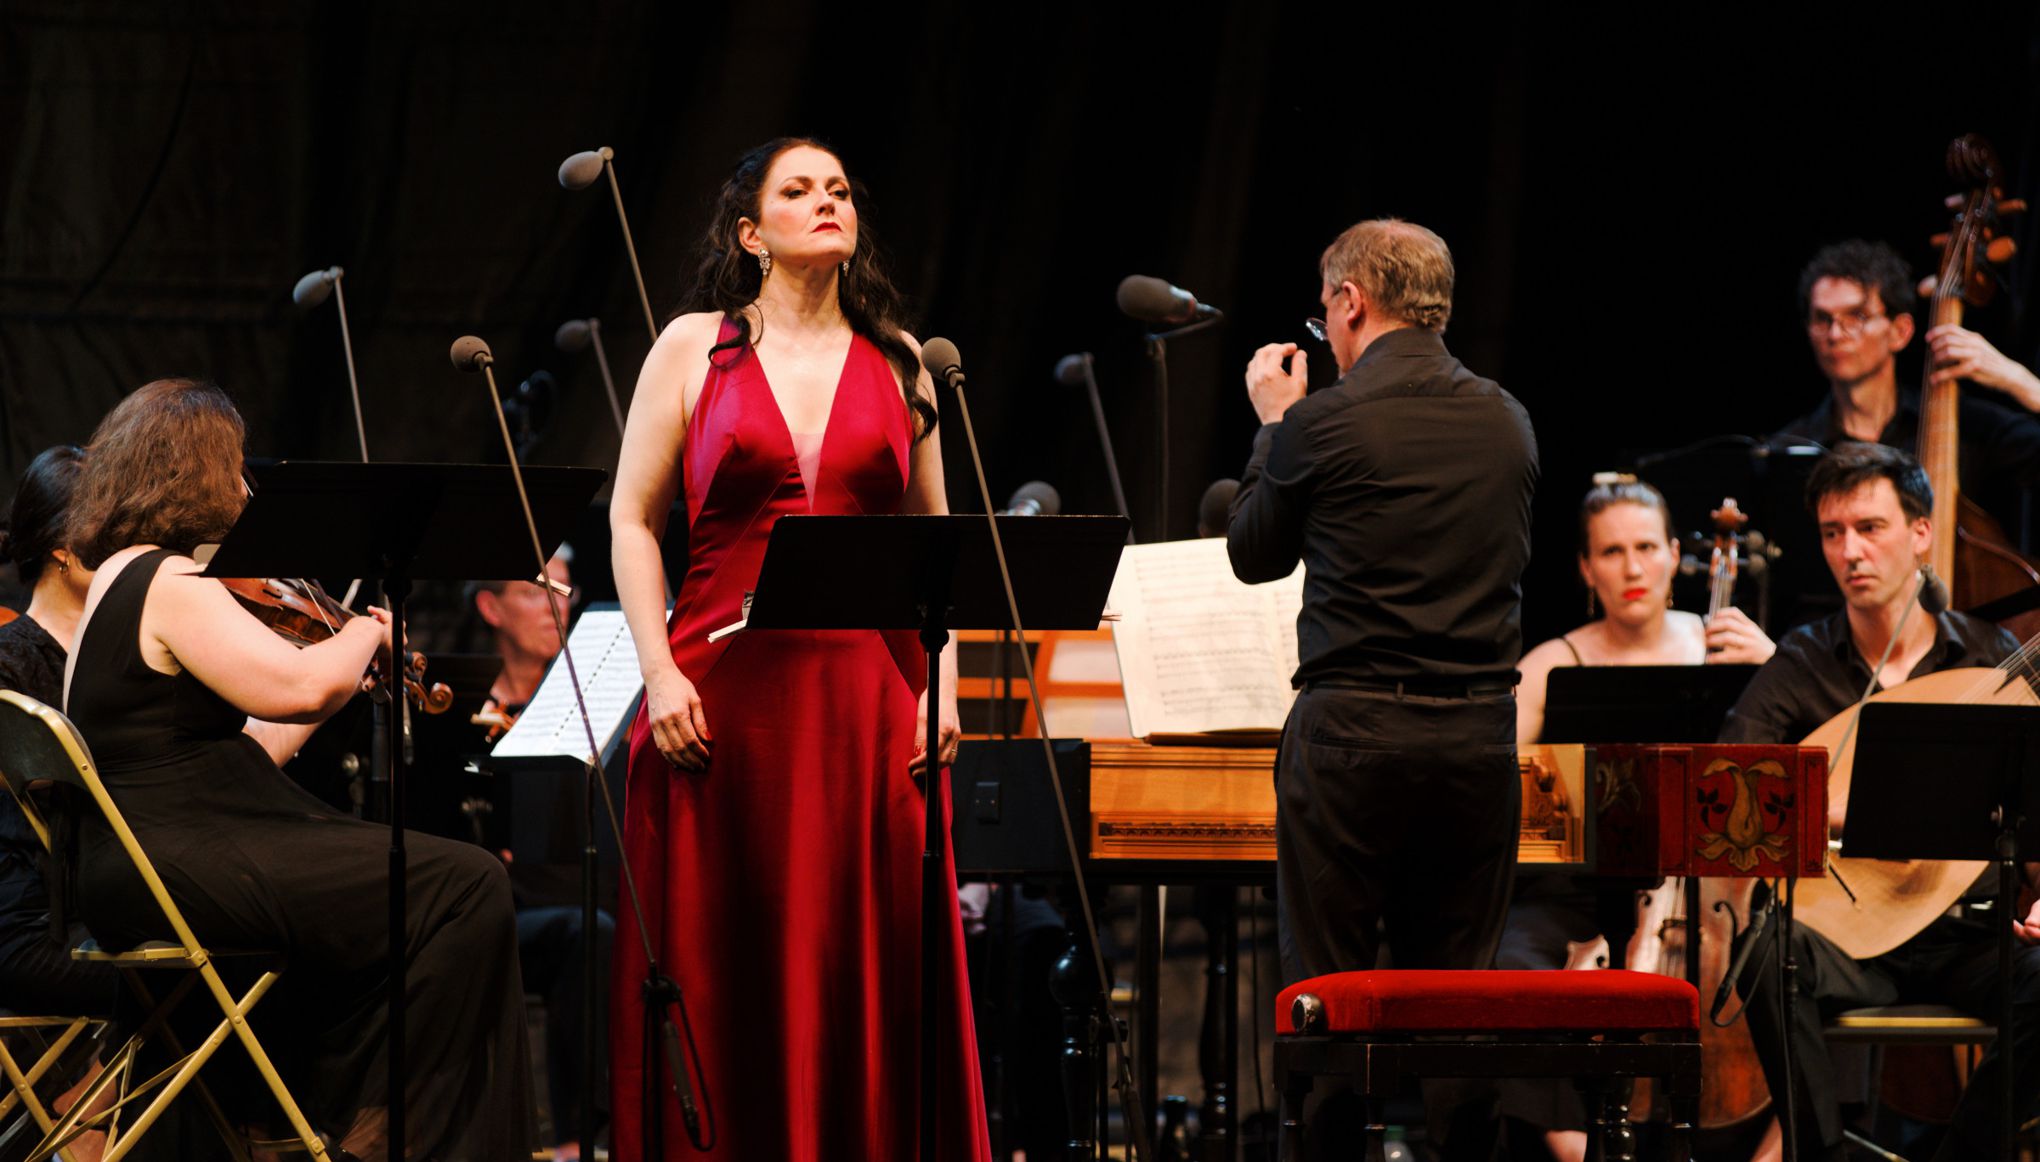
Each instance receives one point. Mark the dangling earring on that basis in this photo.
(764, 263)
(1668, 601)
(1592, 612)
(846, 268)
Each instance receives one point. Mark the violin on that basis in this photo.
(1732, 1089)
(303, 613)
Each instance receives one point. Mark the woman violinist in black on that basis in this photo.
(166, 672)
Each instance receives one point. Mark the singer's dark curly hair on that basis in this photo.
(728, 279)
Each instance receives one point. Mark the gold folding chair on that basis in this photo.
(50, 1038)
(36, 744)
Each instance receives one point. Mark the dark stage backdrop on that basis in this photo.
(1629, 204)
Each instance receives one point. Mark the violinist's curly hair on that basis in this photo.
(163, 468)
(728, 279)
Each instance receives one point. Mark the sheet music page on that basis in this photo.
(551, 725)
(1198, 649)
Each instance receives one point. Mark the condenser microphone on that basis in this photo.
(1074, 370)
(580, 171)
(312, 289)
(1151, 300)
(1214, 509)
(1077, 371)
(469, 353)
(943, 361)
(1034, 498)
(575, 334)
(1933, 591)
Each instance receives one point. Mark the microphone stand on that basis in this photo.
(659, 988)
(353, 384)
(1138, 1129)
(1158, 354)
(602, 357)
(1105, 442)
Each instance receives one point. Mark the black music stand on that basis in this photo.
(1668, 704)
(397, 523)
(934, 574)
(1984, 804)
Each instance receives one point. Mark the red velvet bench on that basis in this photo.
(1379, 1029)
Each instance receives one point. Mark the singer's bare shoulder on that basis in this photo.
(678, 362)
(688, 337)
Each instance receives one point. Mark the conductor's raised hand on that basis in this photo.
(679, 725)
(1277, 376)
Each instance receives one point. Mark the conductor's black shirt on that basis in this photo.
(1405, 491)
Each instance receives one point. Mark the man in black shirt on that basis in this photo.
(1405, 491)
(1873, 504)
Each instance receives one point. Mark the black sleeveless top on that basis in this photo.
(200, 795)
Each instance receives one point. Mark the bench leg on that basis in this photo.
(1377, 1128)
(1289, 1132)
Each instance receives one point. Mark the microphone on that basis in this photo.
(1034, 498)
(1214, 510)
(1074, 370)
(471, 354)
(943, 361)
(573, 335)
(1151, 300)
(312, 289)
(1933, 591)
(1077, 371)
(580, 171)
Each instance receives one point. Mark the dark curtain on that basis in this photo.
(1629, 202)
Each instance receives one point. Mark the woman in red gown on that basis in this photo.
(773, 821)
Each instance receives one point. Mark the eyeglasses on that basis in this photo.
(1316, 327)
(1852, 323)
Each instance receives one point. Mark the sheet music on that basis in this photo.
(1199, 650)
(551, 725)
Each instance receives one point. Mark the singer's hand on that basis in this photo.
(951, 731)
(1271, 386)
(679, 725)
(1958, 354)
(1733, 639)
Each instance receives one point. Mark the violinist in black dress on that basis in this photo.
(176, 689)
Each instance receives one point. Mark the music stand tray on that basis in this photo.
(1663, 704)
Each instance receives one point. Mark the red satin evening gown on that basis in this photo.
(782, 886)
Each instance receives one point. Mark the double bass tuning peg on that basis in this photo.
(2000, 250)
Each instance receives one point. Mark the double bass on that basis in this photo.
(1985, 574)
